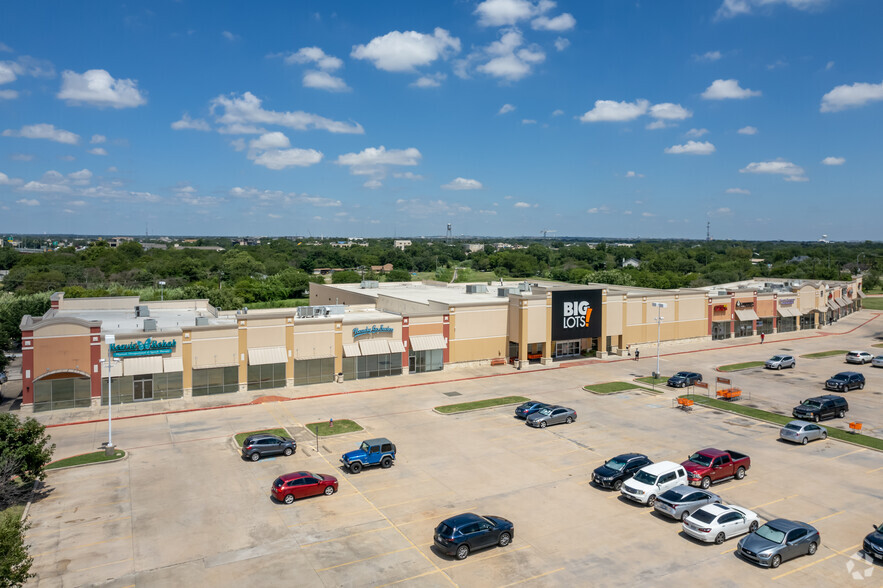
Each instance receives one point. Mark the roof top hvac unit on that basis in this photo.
(149, 324)
(366, 284)
(142, 310)
(504, 292)
(319, 311)
(202, 321)
(476, 289)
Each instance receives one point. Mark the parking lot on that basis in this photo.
(185, 507)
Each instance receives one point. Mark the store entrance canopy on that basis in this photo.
(746, 315)
(267, 355)
(427, 342)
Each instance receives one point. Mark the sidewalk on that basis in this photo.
(450, 375)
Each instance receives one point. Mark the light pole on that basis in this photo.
(162, 285)
(659, 306)
(108, 449)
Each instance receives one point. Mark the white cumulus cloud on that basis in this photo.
(709, 56)
(561, 43)
(272, 150)
(834, 161)
(742, 191)
(669, 111)
(505, 58)
(851, 96)
(696, 133)
(193, 124)
(28, 202)
(727, 89)
(96, 87)
(8, 94)
(692, 148)
(7, 181)
(242, 113)
(505, 109)
(521, 205)
(612, 111)
(315, 55)
(322, 80)
(98, 151)
(405, 51)
(791, 171)
(631, 174)
(429, 80)
(44, 131)
(463, 184)
(98, 139)
(733, 8)
(749, 130)
(562, 22)
(374, 161)
(496, 13)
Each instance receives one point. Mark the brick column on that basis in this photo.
(406, 340)
(446, 333)
(27, 368)
(95, 362)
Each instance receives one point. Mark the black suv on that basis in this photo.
(684, 379)
(821, 407)
(845, 381)
(467, 532)
(619, 469)
(257, 446)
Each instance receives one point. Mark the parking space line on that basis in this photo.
(54, 512)
(57, 496)
(532, 578)
(818, 561)
(405, 502)
(773, 502)
(874, 470)
(345, 537)
(850, 453)
(491, 556)
(435, 517)
(579, 465)
(79, 546)
(424, 574)
(326, 518)
(827, 517)
(737, 485)
(110, 563)
(79, 525)
(349, 563)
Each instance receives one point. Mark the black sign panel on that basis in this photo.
(576, 314)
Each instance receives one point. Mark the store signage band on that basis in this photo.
(372, 330)
(786, 302)
(720, 308)
(744, 304)
(146, 347)
(576, 314)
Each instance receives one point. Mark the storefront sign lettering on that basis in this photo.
(146, 347)
(576, 314)
(720, 308)
(786, 302)
(744, 304)
(372, 330)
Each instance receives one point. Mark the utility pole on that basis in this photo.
(659, 306)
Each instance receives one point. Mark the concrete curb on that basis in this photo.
(477, 409)
(24, 514)
(84, 465)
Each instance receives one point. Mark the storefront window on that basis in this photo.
(264, 377)
(313, 371)
(62, 393)
(743, 329)
(222, 380)
(765, 325)
(807, 321)
(720, 330)
(431, 360)
(144, 387)
(567, 348)
(787, 324)
(372, 366)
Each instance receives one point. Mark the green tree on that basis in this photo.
(15, 562)
(346, 277)
(12, 309)
(26, 444)
(398, 275)
(238, 264)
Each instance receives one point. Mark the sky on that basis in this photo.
(617, 119)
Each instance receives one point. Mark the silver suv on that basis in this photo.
(859, 357)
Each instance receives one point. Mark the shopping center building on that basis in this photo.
(186, 348)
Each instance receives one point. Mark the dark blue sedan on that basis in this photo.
(528, 408)
(684, 379)
(459, 535)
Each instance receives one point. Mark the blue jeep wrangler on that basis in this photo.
(372, 452)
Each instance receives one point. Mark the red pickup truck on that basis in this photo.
(713, 465)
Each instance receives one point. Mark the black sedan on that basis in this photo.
(619, 469)
(528, 408)
(255, 447)
(684, 379)
(873, 543)
(461, 534)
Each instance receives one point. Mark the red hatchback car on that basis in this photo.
(302, 484)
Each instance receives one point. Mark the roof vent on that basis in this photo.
(368, 284)
(201, 321)
(476, 289)
(149, 324)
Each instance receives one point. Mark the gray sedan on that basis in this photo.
(680, 501)
(802, 432)
(778, 362)
(551, 415)
(778, 541)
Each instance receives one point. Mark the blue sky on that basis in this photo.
(504, 117)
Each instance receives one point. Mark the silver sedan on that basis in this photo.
(680, 501)
(802, 432)
(877, 361)
(778, 362)
(551, 415)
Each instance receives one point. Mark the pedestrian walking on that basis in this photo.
(637, 353)
(761, 338)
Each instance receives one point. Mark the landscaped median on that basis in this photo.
(780, 419)
(653, 381)
(822, 354)
(479, 404)
(746, 365)
(325, 429)
(86, 459)
(614, 387)
(240, 437)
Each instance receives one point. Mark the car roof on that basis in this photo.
(828, 397)
(377, 441)
(786, 525)
(846, 374)
(712, 452)
(857, 352)
(799, 422)
(264, 436)
(295, 475)
(461, 519)
(660, 467)
(628, 456)
(716, 509)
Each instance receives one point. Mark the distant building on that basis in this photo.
(799, 259)
(401, 243)
(385, 268)
(117, 241)
(757, 260)
(631, 262)
(474, 247)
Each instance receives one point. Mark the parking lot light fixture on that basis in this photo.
(659, 306)
(162, 285)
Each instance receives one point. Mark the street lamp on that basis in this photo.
(161, 288)
(659, 306)
(108, 449)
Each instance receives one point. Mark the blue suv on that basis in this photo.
(372, 452)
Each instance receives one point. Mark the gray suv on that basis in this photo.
(257, 446)
(815, 409)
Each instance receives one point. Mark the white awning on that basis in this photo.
(374, 347)
(135, 366)
(861, 294)
(785, 311)
(173, 364)
(833, 305)
(396, 346)
(116, 369)
(796, 312)
(427, 342)
(267, 355)
(746, 315)
(841, 302)
(351, 350)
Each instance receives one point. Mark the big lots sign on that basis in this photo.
(576, 314)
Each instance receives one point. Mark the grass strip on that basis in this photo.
(822, 354)
(877, 345)
(94, 457)
(240, 437)
(873, 303)
(740, 366)
(610, 387)
(651, 380)
(780, 419)
(324, 428)
(13, 512)
(467, 406)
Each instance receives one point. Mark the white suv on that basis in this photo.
(653, 480)
(860, 357)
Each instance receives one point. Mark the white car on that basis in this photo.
(719, 522)
(860, 357)
(877, 361)
(653, 480)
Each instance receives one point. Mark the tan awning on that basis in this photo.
(796, 312)
(374, 347)
(785, 311)
(746, 315)
(427, 342)
(841, 302)
(861, 294)
(116, 368)
(351, 350)
(173, 364)
(832, 305)
(135, 366)
(396, 346)
(267, 355)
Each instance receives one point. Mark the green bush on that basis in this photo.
(15, 562)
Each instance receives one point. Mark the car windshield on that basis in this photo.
(703, 516)
(680, 375)
(812, 403)
(771, 534)
(792, 427)
(365, 447)
(645, 478)
(702, 460)
(839, 377)
(615, 464)
(673, 496)
(444, 530)
(546, 411)
(777, 358)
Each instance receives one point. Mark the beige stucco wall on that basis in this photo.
(536, 321)
(269, 332)
(808, 298)
(313, 339)
(322, 294)
(613, 309)
(214, 347)
(477, 349)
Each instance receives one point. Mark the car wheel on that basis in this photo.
(812, 548)
(804, 441)
(684, 515)
(815, 418)
(706, 483)
(505, 538)
(255, 456)
(752, 527)
(652, 500)
(386, 462)
(329, 490)
(289, 498)
(288, 451)
(777, 559)
(841, 414)
(617, 485)
(569, 420)
(779, 366)
(740, 473)
(861, 386)
(542, 424)
(355, 467)
(824, 435)
(462, 552)
(719, 539)
(794, 364)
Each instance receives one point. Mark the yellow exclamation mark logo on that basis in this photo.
(588, 315)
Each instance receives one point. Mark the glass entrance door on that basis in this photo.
(142, 388)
